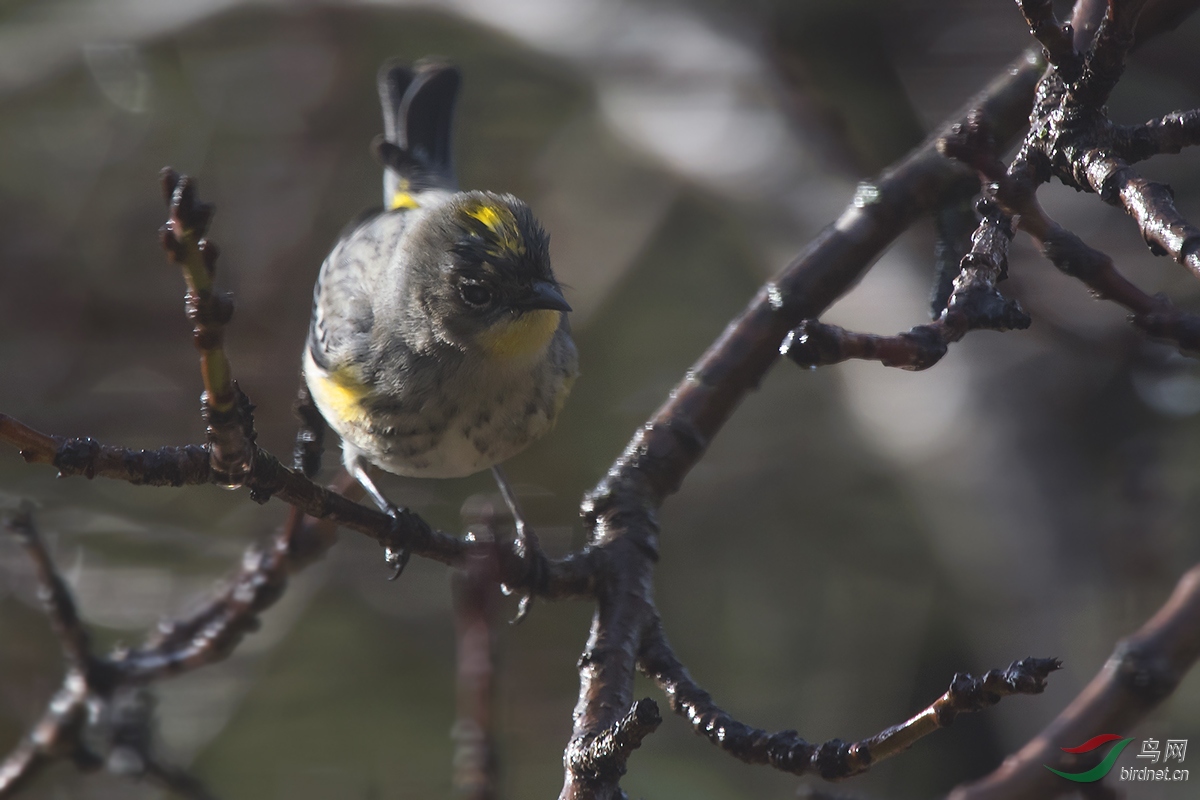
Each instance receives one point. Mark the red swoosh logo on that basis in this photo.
(1092, 744)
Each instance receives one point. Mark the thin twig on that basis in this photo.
(835, 759)
(53, 593)
(571, 576)
(211, 632)
(974, 303)
(226, 410)
(56, 735)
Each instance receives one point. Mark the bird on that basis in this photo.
(439, 344)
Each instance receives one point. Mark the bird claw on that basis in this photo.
(530, 553)
(397, 560)
(523, 606)
(525, 547)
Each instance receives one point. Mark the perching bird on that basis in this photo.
(439, 343)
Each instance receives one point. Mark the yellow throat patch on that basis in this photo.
(524, 336)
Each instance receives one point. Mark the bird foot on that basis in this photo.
(396, 559)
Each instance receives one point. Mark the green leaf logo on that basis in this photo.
(1100, 770)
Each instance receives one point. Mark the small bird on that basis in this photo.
(439, 344)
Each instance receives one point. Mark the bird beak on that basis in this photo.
(544, 294)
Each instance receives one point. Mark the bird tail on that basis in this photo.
(418, 115)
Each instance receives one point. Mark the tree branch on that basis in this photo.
(53, 593)
(834, 759)
(89, 709)
(602, 759)
(974, 303)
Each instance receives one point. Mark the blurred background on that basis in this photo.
(853, 538)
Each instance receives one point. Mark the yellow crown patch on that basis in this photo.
(499, 219)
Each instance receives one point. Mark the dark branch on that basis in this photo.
(835, 759)
(58, 734)
(1164, 136)
(974, 303)
(227, 411)
(53, 593)
(1071, 137)
(572, 576)
(1152, 206)
(1013, 188)
(211, 632)
(1056, 38)
(954, 223)
(603, 758)
(1105, 60)
(132, 752)
(817, 344)
(91, 709)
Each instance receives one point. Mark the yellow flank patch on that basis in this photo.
(340, 393)
(526, 335)
(501, 222)
(403, 199)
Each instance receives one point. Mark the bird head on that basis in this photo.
(493, 292)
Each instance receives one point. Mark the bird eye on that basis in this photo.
(475, 294)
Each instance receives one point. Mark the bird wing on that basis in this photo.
(343, 316)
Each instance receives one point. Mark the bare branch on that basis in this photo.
(1014, 188)
(56, 735)
(226, 409)
(211, 633)
(1056, 38)
(973, 304)
(954, 223)
(835, 759)
(1151, 205)
(1163, 136)
(602, 759)
(606, 668)
(1105, 60)
(1072, 138)
(53, 592)
(175, 466)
